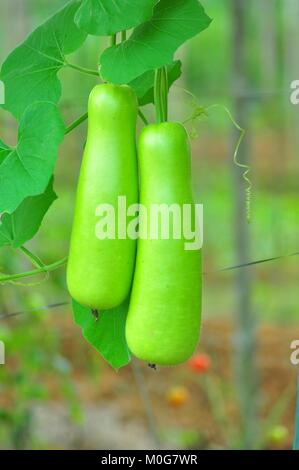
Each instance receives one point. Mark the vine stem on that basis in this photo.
(83, 69)
(35, 260)
(142, 116)
(42, 269)
(76, 123)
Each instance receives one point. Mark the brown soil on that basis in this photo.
(277, 379)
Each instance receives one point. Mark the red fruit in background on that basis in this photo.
(200, 363)
(177, 396)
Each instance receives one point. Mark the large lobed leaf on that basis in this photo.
(26, 169)
(107, 17)
(24, 222)
(107, 333)
(153, 44)
(30, 71)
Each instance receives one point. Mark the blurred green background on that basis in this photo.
(55, 392)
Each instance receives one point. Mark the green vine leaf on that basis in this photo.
(153, 44)
(107, 17)
(27, 168)
(30, 71)
(144, 85)
(107, 333)
(20, 226)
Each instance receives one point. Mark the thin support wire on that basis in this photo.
(4, 316)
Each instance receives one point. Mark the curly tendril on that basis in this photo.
(200, 111)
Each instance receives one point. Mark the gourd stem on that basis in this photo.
(113, 40)
(157, 96)
(164, 93)
(161, 94)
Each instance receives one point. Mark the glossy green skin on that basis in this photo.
(99, 272)
(163, 323)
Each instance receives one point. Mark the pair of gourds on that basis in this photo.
(164, 278)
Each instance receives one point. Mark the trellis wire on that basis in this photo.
(4, 316)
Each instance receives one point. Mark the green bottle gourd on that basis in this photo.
(99, 271)
(163, 322)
